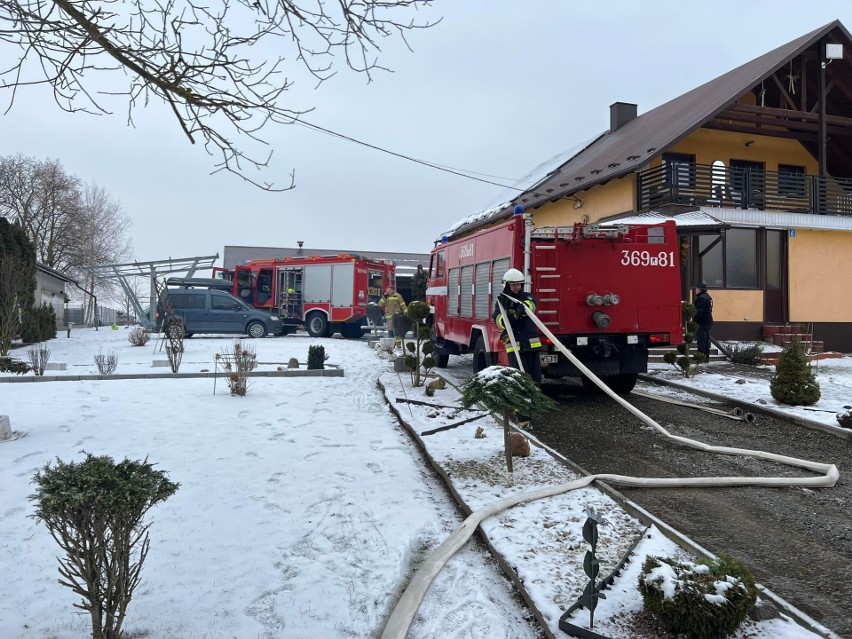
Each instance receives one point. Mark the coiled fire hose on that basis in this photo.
(403, 613)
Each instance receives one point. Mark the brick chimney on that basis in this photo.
(620, 113)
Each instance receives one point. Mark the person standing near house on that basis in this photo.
(704, 318)
(392, 305)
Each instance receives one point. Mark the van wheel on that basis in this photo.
(441, 359)
(317, 324)
(256, 330)
(481, 357)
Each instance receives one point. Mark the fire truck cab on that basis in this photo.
(325, 294)
(606, 293)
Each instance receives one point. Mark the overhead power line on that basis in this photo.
(470, 175)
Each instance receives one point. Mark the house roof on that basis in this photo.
(49, 271)
(618, 153)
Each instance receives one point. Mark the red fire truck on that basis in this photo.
(607, 293)
(324, 293)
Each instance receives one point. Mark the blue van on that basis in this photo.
(204, 310)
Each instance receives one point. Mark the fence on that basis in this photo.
(74, 315)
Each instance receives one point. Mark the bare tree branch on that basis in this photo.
(218, 66)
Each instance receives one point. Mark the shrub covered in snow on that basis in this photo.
(704, 600)
(844, 417)
(794, 382)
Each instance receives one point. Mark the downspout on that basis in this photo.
(94, 298)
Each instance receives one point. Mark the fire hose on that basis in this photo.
(736, 413)
(403, 613)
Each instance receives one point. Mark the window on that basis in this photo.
(222, 303)
(791, 180)
(711, 263)
(729, 260)
(438, 265)
(186, 301)
(679, 169)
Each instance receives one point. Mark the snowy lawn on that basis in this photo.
(304, 508)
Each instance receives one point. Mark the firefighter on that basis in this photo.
(704, 318)
(392, 305)
(514, 298)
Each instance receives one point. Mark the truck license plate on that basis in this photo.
(548, 358)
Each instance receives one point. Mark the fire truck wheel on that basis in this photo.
(621, 384)
(481, 357)
(441, 359)
(317, 325)
(256, 329)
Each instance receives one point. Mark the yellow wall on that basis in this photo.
(709, 145)
(820, 264)
(616, 196)
(737, 306)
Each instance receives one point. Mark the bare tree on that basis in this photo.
(101, 239)
(15, 282)
(45, 200)
(219, 66)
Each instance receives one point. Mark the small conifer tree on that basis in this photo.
(794, 382)
(683, 359)
(504, 390)
(420, 351)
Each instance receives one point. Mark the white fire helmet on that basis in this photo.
(513, 276)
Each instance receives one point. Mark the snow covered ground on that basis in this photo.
(304, 508)
(834, 377)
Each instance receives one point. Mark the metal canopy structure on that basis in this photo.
(151, 270)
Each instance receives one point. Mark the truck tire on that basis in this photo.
(620, 384)
(441, 358)
(481, 356)
(256, 330)
(317, 324)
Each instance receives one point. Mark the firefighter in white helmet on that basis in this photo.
(514, 299)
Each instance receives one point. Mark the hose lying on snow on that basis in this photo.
(737, 413)
(405, 609)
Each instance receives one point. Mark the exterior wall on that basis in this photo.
(616, 196)
(819, 263)
(709, 145)
(51, 290)
(737, 306)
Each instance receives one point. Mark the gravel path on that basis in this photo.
(797, 541)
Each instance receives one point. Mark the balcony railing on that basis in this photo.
(706, 185)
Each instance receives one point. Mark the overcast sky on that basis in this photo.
(497, 87)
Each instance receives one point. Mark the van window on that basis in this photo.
(188, 301)
(224, 303)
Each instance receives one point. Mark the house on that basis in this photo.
(406, 263)
(755, 167)
(50, 289)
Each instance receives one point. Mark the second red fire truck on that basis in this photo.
(607, 293)
(324, 293)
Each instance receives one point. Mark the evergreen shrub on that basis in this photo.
(704, 600)
(38, 324)
(794, 382)
(748, 354)
(316, 358)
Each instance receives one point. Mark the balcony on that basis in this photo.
(735, 187)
